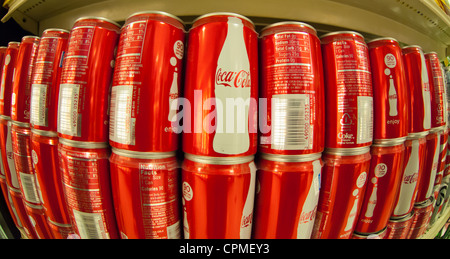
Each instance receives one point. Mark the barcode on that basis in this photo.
(291, 127)
(29, 188)
(68, 116)
(174, 231)
(38, 112)
(365, 119)
(90, 225)
(122, 126)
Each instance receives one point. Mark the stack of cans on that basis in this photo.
(349, 125)
(144, 169)
(218, 173)
(292, 140)
(82, 126)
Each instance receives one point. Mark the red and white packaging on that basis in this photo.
(437, 91)
(44, 154)
(221, 71)
(15, 198)
(218, 196)
(398, 228)
(391, 106)
(385, 174)
(292, 86)
(421, 218)
(344, 181)
(87, 188)
(348, 87)
(6, 86)
(8, 154)
(148, 71)
(287, 194)
(45, 79)
(36, 214)
(419, 95)
(414, 166)
(146, 194)
(21, 91)
(425, 183)
(86, 79)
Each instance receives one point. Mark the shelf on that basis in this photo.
(437, 226)
(418, 22)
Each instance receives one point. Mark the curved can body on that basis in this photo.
(437, 90)
(7, 78)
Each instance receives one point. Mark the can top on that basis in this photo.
(20, 124)
(161, 13)
(348, 151)
(425, 203)
(82, 144)
(291, 158)
(431, 53)
(97, 18)
(417, 135)
(412, 47)
(142, 155)
(342, 33)
(3, 47)
(196, 22)
(55, 29)
(402, 218)
(287, 26)
(11, 43)
(4, 117)
(388, 142)
(219, 160)
(382, 39)
(30, 37)
(45, 133)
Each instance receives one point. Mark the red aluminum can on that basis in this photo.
(36, 214)
(425, 183)
(437, 90)
(443, 149)
(221, 71)
(7, 78)
(8, 154)
(3, 134)
(21, 143)
(148, 70)
(86, 79)
(21, 91)
(415, 149)
(286, 196)
(385, 174)
(44, 153)
(46, 77)
(348, 88)
(344, 180)
(419, 89)
(87, 188)
(15, 197)
(218, 196)
(2, 60)
(292, 87)
(146, 196)
(9, 203)
(422, 216)
(398, 228)
(389, 89)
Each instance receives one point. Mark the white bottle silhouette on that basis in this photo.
(425, 93)
(392, 98)
(233, 66)
(247, 211)
(372, 200)
(352, 216)
(434, 168)
(407, 187)
(173, 97)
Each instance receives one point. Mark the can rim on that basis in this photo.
(219, 160)
(20, 124)
(412, 46)
(97, 18)
(367, 235)
(348, 151)
(3, 47)
(223, 14)
(14, 42)
(142, 155)
(45, 133)
(430, 52)
(30, 37)
(56, 29)
(59, 224)
(288, 23)
(83, 144)
(33, 206)
(157, 12)
(382, 38)
(402, 218)
(291, 158)
(437, 129)
(341, 32)
(388, 142)
(417, 135)
(7, 118)
(425, 203)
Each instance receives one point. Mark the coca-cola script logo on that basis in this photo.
(233, 79)
(246, 220)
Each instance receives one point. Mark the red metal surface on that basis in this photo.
(437, 90)
(7, 78)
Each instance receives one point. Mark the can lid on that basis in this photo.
(412, 46)
(97, 18)
(388, 142)
(45, 133)
(417, 135)
(431, 53)
(3, 47)
(425, 203)
(382, 38)
(219, 160)
(55, 29)
(291, 158)
(223, 14)
(30, 37)
(142, 155)
(4, 117)
(288, 23)
(342, 32)
(20, 124)
(402, 218)
(348, 151)
(157, 12)
(83, 144)
(13, 43)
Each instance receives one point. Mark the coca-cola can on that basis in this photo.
(415, 149)
(21, 91)
(46, 77)
(44, 154)
(218, 196)
(87, 188)
(2, 60)
(418, 91)
(425, 183)
(421, 218)
(437, 91)
(27, 228)
(377, 235)
(6, 86)
(62, 231)
(148, 70)
(391, 110)
(398, 228)
(438, 206)
(385, 174)
(146, 196)
(221, 71)
(36, 214)
(21, 144)
(8, 154)
(344, 181)
(286, 196)
(86, 79)
(443, 149)
(348, 88)
(292, 88)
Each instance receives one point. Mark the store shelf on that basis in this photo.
(437, 226)
(419, 22)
